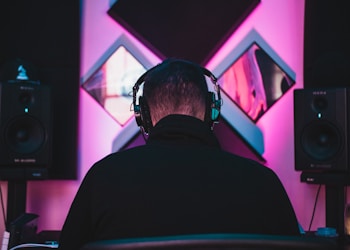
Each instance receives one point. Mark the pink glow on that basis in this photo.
(279, 22)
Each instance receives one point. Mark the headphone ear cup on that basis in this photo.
(137, 112)
(212, 113)
(215, 111)
(145, 116)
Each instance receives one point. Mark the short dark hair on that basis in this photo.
(176, 86)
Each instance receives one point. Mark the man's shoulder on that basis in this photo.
(122, 155)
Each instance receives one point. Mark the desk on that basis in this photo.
(341, 243)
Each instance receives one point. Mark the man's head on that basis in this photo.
(175, 87)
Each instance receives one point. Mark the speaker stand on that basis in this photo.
(16, 199)
(335, 204)
(335, 199)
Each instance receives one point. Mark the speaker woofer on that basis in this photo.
(25, 135)
(321, 140)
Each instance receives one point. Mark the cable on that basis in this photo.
(34, 245)
(313, 212)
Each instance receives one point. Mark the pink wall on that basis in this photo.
(280, 23)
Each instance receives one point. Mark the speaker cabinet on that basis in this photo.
(321, 129)
(25, 127)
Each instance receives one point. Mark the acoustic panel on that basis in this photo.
(190, 29)
(326, 44)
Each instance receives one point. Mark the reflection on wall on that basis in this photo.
(112, 83)
(255, 82)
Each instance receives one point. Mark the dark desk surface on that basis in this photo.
(46, 237)
(343, 242)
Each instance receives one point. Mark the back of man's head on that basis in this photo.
(175, 86)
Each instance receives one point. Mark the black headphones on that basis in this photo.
(142, 113)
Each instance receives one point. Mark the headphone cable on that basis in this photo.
(314, 209)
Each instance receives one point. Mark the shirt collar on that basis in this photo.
(182, 129)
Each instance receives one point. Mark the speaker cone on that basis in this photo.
(24, 135)
(321, 140)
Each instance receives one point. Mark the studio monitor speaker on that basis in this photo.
(321, 129)
(25, 130)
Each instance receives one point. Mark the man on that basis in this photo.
(180, 182)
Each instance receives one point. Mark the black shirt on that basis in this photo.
(180, 182)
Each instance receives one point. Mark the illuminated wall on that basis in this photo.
(279, 28)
